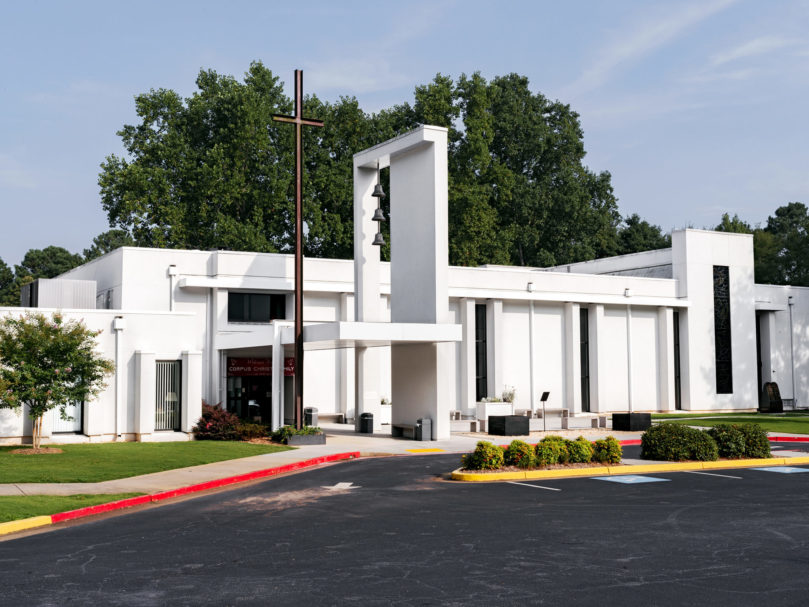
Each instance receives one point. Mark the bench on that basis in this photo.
(403, 430)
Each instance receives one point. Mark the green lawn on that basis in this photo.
(25, 506)
(789, 424)
(759, 415)
(106, 461)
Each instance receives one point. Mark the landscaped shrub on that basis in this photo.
(216, 424)
(519, 454)
(486, 456)
(549, 452)
(607, 451)
(730, 440)
(248, 431)
(677, 442)
(580, 451)
(756, 443)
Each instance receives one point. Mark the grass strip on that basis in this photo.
(88, 463)
(14, 507)
(798, 414)
(788, 425)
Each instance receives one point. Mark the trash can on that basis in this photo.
(366, 423)
(424, 429)
(310, 416)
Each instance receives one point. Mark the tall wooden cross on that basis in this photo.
(299, 121)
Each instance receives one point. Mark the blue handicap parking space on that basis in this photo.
(783, 469)
(630, 479)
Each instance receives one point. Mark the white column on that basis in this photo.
(595, 321)
(191, 400)
(629, 356)
(572, 358)
(495, 354)
(277, 389)
(145, 387)
(665, 358)
(531, 400)
(347, 363)
(467, 370)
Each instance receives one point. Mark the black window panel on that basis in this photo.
(584, 353)
(722, 332)
(481, 378)
(255, 307)
(678, 397)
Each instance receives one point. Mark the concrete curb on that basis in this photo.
(41, 521)
(480, 477)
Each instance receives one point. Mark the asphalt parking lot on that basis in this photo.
(391, 531)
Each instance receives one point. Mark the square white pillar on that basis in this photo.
(572, 358)
(145, 393)
(191, 401)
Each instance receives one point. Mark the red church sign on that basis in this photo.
(248, 367)
(289, 366)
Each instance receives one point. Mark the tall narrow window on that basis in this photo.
(481, 378)
(168, 395)
(584, 352)
(678, 397)
(722, 336)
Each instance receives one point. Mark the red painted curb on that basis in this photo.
(221, 482)
(789, 439)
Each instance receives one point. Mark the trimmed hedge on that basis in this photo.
(676, 442)
(607, 451)
(519, 454)
(580, 451)
(216, 424)
(486, 456)
(756, 443)
(730, 440)
(549, 452)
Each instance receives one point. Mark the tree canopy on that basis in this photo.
(47, 362)
(214, 171)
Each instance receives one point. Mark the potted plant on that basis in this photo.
(494, 405)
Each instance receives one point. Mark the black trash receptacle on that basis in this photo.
(366, 423)
(424, 429)
(310, 416)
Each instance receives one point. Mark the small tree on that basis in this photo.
(48, 363)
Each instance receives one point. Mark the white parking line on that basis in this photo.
(534, 486)
(712, 474)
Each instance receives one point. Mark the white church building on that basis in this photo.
(684, 328)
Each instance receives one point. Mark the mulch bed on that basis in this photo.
(40, 451)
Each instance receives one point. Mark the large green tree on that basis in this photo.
(106, 242)
(6, 285)
(786, 246)
(47, 362)
(214, 170)
(637, 235)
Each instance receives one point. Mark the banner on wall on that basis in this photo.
(249, 367)
(289, 366)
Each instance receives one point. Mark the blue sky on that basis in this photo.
(696, 108)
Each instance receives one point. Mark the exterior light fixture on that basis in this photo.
(627, 293)
(530, 287)
(379, 216)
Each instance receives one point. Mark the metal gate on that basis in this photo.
(167, 399)
(73, 411)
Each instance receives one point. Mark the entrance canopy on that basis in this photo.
(373, 334)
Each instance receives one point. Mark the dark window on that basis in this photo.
(481, 379)
(678, 397)
(722, 337)
(255, 307)
(584, 352)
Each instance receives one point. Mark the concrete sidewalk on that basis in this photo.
(340, 439)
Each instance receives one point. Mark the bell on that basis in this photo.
(379, 240)
(378, 215)
(378, 191)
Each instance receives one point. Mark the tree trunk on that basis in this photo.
(37, 432)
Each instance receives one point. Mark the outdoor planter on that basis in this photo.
(508, 425)
(385, 414)
(306, 439)
(484, 410)
(631, 422)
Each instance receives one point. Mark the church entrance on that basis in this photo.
(249, 388)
